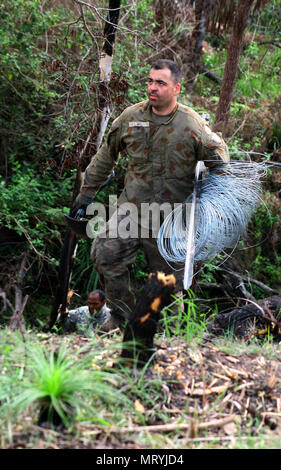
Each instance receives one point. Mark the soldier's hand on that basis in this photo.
(63, 312)
(82, 201)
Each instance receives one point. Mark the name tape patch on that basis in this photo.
(138, 124)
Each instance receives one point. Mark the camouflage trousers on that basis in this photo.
(113, 257)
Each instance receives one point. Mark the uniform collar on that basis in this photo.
(147, 114)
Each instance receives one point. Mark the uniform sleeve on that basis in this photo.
(103, 162)
(212, 148)
(69, 321)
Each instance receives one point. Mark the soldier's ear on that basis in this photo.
(177, 88)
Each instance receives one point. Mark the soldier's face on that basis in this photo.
(94, 303)
(162, 91)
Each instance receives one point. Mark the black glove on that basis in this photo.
(82, 201)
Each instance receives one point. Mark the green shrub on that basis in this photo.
(32, 204)
(63, 385)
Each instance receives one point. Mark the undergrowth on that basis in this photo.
(93, 389)
(60, 381)
(183, 318)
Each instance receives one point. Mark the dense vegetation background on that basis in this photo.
(194, 393)
(49, 94)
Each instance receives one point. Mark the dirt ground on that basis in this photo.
(208, 395)
(248, 386)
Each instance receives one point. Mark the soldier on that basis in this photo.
(163, 140)
(84, 320)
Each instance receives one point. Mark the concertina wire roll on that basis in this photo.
(230, 194)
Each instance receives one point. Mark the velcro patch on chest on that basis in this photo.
(139, 124)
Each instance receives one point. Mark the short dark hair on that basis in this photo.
(100, 293)
(161, 64)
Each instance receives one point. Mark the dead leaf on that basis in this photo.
(230, 428)
(110, 363)
(272, 379)
(54, 446)
(98, 357)
(208, 390)
(179, 374)
(158, 368)
(177, 362)
(232, 359)
(219, 389)
(233, 373)
(139, 407)
(69, 295)
(173, 357)
(220, 376)
(261, 361)
(195, 356)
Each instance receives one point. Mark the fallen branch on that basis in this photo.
(250, 280)
(273, 43)
(115, 330)
(211, 75)
(176, 426)
(214, 438)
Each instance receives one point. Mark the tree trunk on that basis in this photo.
(197, 38)
(105, 65)
(17, 319)
(230, 71)
(142, 325)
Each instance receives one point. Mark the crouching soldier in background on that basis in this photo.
(86, 319)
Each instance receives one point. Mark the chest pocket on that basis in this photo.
(137, 141)
(180, 159)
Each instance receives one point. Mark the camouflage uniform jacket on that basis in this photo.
(81, 320)
(161, 157)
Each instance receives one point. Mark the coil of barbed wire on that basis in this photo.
(229, 196)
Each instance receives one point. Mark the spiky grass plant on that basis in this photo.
(185, 322)
(63, 385)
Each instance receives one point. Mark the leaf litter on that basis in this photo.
(207, 395)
